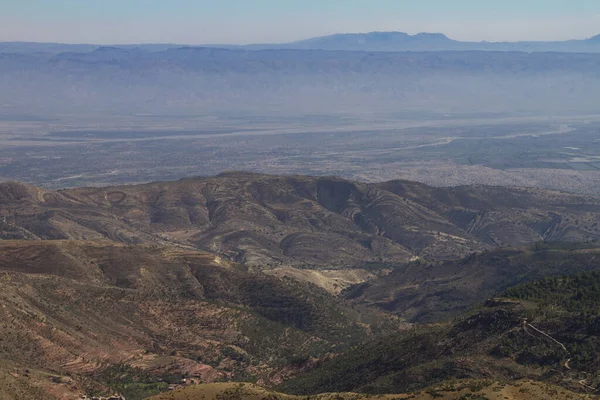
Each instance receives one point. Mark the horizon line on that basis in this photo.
(290, 42)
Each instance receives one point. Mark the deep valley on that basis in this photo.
(301, 284)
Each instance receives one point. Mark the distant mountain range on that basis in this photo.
(296, 82)
(400, 41)
(372, 41)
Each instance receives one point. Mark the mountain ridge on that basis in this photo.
(440, 291)
(295, 81)
(268, 221)
(241, 276)
(368, 41)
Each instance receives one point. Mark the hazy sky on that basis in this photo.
(252, 21)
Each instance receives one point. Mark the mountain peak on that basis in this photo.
(434, 35)
(383, 35)
(387, 41)
(108, 48)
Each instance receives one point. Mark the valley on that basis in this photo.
(74, 309)
(301, 285)
(443, 118)
(553, 152)
(229, 200)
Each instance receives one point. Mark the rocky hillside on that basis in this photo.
(269, 221)
(70, 310)
(436, 292)
(236, 277)
(546, 338)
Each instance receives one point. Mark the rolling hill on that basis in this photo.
(545, 330)
(439, 291)
(88, 316)
(237, 277)
(73, 310)
(270, 221)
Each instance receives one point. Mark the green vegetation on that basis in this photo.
(176, 311)
(551, 245)
(383, 366)
(133, 383)
(286, 303)
(579, 294)
(569, 308)
(447, 290)
(566, 309)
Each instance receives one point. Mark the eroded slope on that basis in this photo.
(74, 308)
(269, 221)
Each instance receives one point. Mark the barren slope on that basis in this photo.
(267, 221)
(77, 307)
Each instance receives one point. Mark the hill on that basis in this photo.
(272, 221)
(400, 41)
(379, 41)
(90, 316)
(133, 288)
(503, 341)
(436, 292)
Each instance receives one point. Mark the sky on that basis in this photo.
(276, 21)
